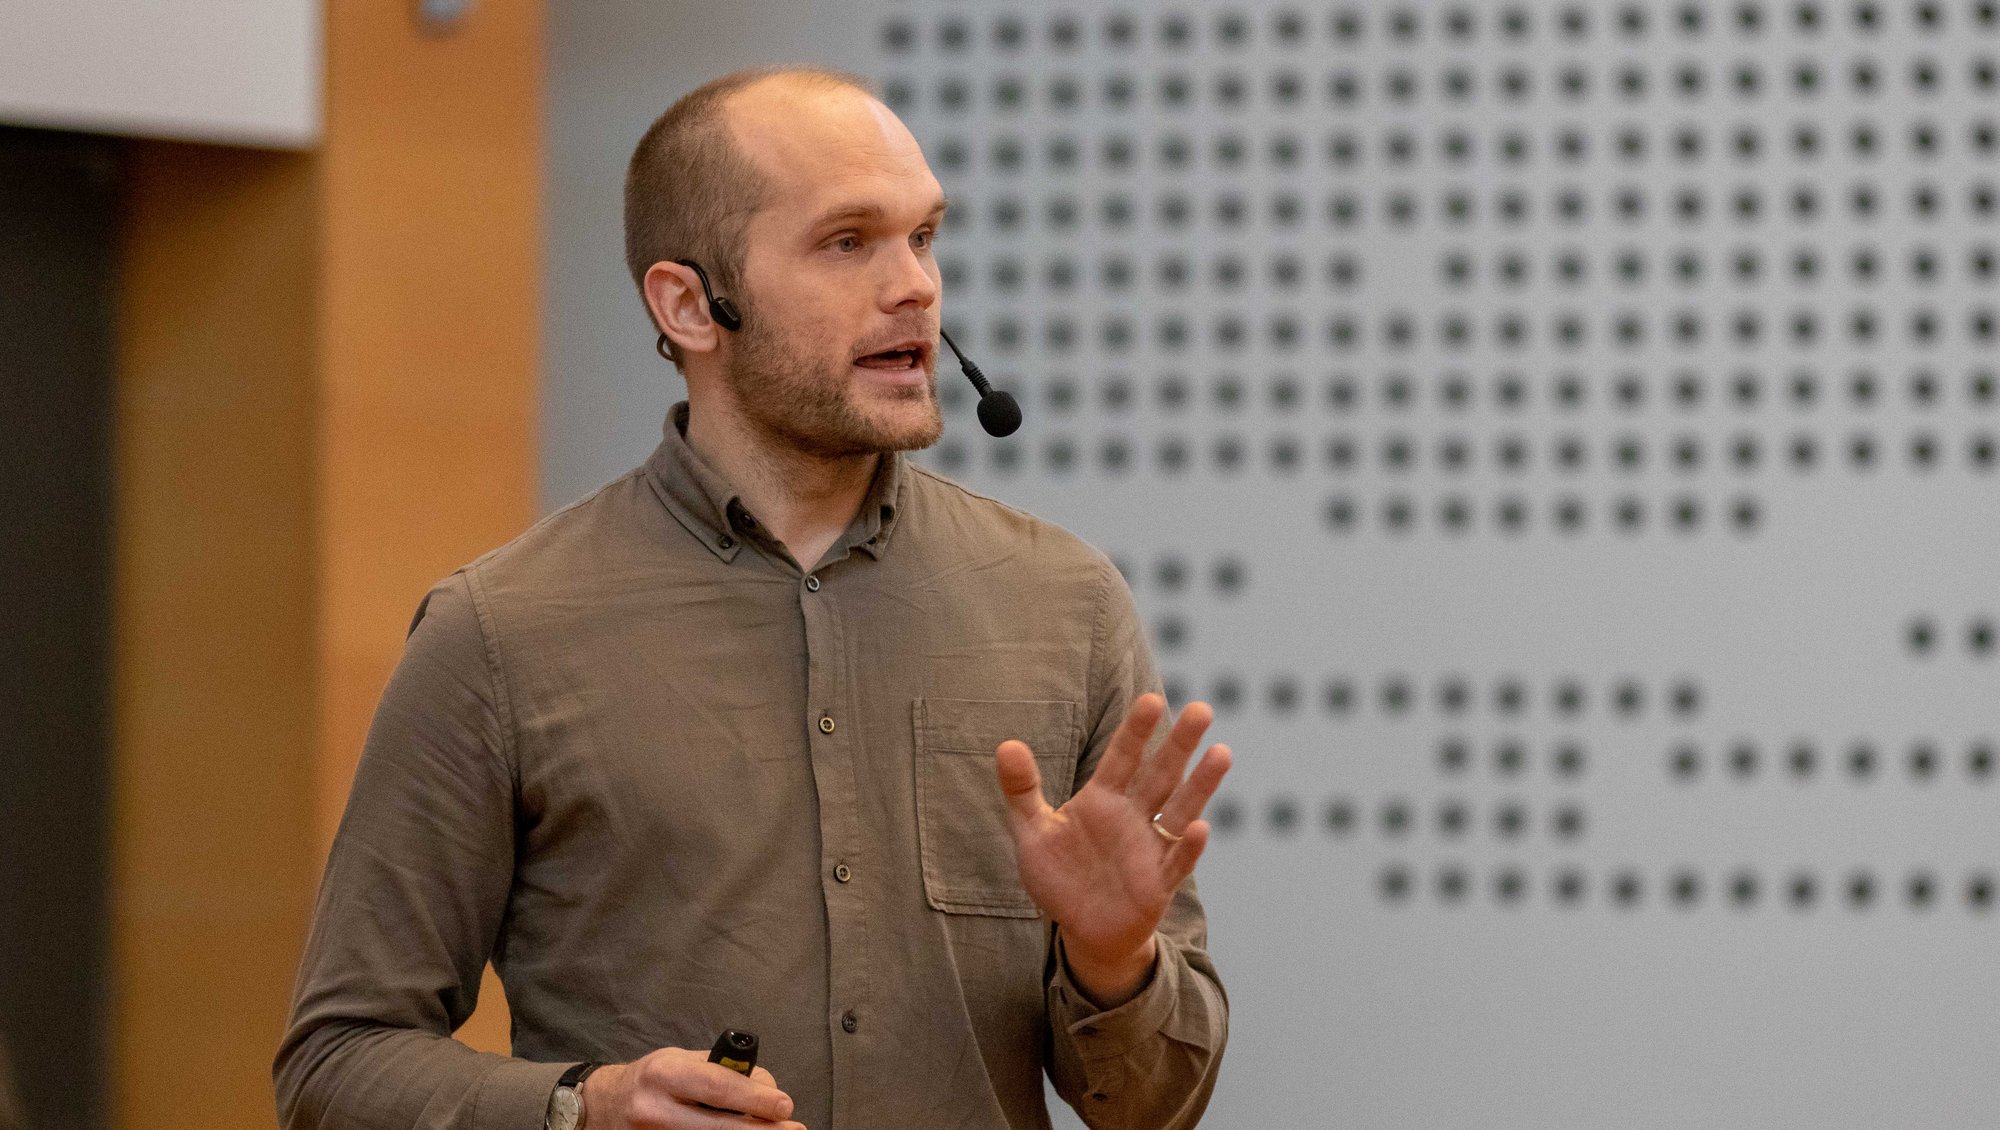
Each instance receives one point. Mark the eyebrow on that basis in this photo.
(868, 210)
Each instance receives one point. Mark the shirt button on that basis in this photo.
(726, 542)
(812, 584)
(826, 723)
(847, 1021)
(843, 873)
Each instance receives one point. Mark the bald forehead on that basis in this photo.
(797, 130)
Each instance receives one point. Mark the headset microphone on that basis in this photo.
(998, 412)
(721, 309)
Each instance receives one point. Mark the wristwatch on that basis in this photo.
(566, 1104)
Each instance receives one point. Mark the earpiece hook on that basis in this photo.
(721, 309)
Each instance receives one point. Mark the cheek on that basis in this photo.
(818, 317)
(789, 319)
(819, 328)
(811, 340)
(787, 302)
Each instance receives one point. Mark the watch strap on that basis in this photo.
(572, 1081)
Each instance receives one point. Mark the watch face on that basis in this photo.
(565, 1109)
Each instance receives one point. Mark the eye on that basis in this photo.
(847, 243)
(923, 239)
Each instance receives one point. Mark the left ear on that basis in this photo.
(673, 295)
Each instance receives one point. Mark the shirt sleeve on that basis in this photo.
(411, 903)
(1150, 1062)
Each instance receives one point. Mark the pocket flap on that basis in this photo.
(967, 851)
(975, 726)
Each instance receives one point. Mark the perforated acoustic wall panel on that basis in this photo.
(1560, 440)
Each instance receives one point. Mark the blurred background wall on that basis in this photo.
(1558, 435)
(270, 371)
(58, 273)
(244, 71)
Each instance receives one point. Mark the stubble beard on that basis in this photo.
(811, 406)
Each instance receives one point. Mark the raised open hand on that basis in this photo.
(1100, 866)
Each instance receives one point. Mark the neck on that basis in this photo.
(803, 499)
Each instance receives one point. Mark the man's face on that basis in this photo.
(838, 352)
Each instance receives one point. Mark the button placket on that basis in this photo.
(850, 955)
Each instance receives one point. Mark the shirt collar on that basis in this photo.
(712, 510)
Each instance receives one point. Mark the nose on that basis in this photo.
(911, 281)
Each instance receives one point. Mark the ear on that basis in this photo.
(673, 294)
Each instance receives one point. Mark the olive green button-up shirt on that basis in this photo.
(670, 782)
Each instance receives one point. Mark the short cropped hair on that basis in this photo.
(690, 193)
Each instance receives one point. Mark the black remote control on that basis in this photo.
(738, 1052)
(735, 1050)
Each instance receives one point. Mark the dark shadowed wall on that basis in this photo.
(58, 252)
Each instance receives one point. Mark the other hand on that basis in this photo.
(1096, 866)
(665, 1090)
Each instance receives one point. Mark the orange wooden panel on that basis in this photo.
(328, 400)
(214, 721)
(429, 324)
(429, 320)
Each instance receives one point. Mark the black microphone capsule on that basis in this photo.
(999, 413)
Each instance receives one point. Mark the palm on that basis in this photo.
(1096, 865)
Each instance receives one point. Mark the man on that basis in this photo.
(779, 732)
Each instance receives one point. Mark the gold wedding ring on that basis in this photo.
(1164, 834)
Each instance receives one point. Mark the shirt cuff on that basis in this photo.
(1109, 1033)
(515, 1095)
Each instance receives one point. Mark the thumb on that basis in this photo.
(1021, 781)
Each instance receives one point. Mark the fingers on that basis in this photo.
(1181, 857)
(1161, 774)
(1185, 804)
(671, 1081)
(1021, 781)
(1128, 746)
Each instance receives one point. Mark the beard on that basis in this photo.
(812, 405)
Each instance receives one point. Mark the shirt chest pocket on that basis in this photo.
(967, 852)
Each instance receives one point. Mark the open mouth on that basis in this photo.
(893, 360)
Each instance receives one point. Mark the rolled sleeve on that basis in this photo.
(1150, 1062)
(1103, 1034)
